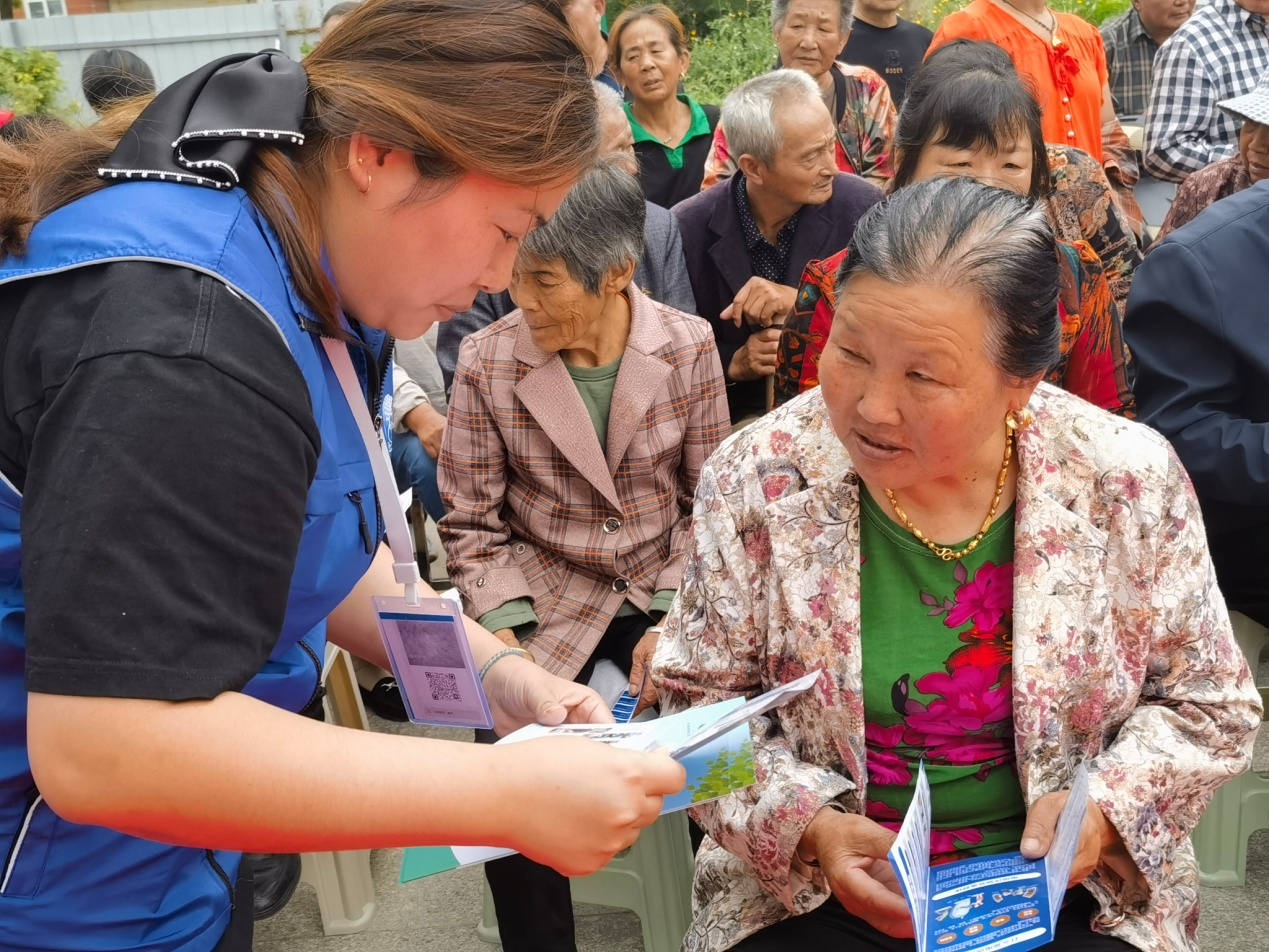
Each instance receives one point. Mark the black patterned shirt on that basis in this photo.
(768, 261)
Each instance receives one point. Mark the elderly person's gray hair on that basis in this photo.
(846, 14)
(956, 232)
(608, 97)
(749, 112)
(598, 226)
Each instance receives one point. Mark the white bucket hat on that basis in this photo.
(1253, 107)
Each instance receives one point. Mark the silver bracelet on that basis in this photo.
(502, 654)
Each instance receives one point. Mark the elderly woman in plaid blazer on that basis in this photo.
(577, 429)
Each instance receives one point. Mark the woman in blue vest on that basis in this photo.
(187, 506)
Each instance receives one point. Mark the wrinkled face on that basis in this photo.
(908, 383)
(647, 63)
(1163, 17)
(811, 37)
(1010, 168)
(557, 309)
(401, 263)
(805, 165)
(618, 138)
(1253, 143)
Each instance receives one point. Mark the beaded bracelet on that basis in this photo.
(502, 654)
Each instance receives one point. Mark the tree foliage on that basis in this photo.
(30, 81)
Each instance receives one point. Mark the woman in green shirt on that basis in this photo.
(672, 132)
(994, 577)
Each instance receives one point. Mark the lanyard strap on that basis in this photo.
(405, 568)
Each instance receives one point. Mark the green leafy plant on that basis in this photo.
(730, 770)
(737, 47)
(30, 81)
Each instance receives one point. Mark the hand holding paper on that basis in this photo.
(1096, 834)
(851, 851)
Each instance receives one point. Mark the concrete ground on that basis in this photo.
(439, 914)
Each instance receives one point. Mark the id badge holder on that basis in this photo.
(432, 662)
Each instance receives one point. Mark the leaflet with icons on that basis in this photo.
(712, 743)
(985, 903)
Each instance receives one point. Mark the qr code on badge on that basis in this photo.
(444, 687)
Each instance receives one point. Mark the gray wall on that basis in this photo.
(172, 42)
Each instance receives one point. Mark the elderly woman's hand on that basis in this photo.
(1099, 840)
(640, 677)
(851, 851)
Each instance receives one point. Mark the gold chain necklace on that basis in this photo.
(942, 551)
(1051, 30)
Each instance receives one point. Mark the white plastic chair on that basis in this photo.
(345, 889)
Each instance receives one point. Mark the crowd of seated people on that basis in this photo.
(879, 345)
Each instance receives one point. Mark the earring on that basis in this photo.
(1019, 419)
(367, 188)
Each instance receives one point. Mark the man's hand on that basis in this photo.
(640, 676)
(428, 425)
(757, 356)
(760, 302)
(1097, 836)
(851, 851)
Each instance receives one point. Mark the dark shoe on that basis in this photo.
(276, 876)
(385, 700)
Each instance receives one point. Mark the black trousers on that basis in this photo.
(831, 927)
(534, 903)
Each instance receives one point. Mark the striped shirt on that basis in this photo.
(1218, 53)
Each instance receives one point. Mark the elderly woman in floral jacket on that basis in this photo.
(998, 580)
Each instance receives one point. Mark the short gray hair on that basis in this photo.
(749, 112)
(846, 14)
(956, 232)
(598, 226)
(609, 98)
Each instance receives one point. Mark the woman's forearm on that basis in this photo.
(236, 773)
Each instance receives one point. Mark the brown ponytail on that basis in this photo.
(487, 87)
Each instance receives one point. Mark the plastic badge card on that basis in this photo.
(712, 743)
(985, 903)
(432, 661)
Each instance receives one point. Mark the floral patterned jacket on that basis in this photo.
(1123, 656)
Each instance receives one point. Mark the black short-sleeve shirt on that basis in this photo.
(163, 439)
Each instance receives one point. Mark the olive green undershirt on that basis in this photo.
(595, 386)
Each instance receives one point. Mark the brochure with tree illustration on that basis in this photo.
(985, 903)
(712, 743)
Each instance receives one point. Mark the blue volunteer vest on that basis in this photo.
(68, 887)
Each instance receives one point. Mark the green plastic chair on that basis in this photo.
(1240, 807)
(653, 878)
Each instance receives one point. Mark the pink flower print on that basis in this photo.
(986, 599)
(758, 546)
(885, 766)
(773, 487)
(969, 700)
(883, 814)
(944, 841)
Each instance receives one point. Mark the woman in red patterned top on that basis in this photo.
(968, 114)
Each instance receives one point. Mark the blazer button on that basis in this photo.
(480, 583)
(520, 548)
(621, 585)
(611, 524)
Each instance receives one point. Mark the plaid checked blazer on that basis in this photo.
(535, 510)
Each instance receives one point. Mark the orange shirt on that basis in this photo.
(1068, 88)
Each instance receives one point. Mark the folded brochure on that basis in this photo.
(711, 742)
(985, 903)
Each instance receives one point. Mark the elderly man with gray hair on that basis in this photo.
(748, 238)
(577, 427)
